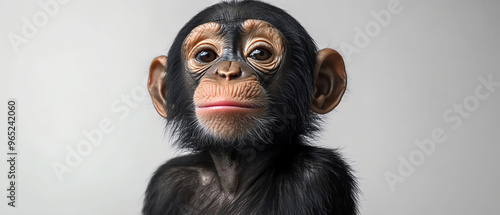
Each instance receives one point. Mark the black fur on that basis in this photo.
(272, 170)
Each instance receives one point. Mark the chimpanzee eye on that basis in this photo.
(260, 54)
(206, 56)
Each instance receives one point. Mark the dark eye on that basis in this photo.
(260, 54)
(206, 56)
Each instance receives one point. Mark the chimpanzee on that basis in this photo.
(242, 91)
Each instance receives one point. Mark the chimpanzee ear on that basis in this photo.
(156, 86)
(330, 81)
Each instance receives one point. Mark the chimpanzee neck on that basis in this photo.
(237, 167)
(227, 170)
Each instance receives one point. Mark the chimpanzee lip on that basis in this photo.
(225, 103)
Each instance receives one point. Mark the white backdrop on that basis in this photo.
(419, 122)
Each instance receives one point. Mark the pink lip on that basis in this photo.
(226, 107)
(224, 103)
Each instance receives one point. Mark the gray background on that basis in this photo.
(90, 56)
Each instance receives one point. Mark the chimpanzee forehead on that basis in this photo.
(225, 15)
(235, 13)
(231, 31)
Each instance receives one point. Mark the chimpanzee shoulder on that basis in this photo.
(175, 183)
(312, 180)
